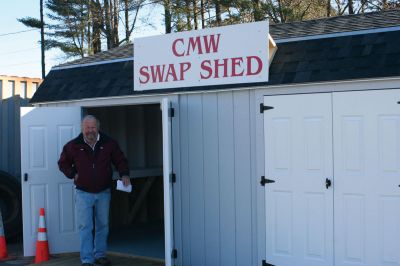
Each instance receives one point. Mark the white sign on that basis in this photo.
(224, 55)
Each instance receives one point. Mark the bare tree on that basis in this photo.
(218, 12)
(202, 14)
(167, 15)
(328, 8)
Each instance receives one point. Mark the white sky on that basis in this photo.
(20, 51)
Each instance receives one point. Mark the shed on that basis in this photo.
(301, 170)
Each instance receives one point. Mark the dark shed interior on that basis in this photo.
(136, 218)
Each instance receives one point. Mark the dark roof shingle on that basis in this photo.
(338, 24)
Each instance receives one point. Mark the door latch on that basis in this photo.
(25, 177)
(328, 183)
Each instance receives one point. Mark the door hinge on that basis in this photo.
(264, 181)
(264, 263)
(265, 108)
(171, 112)
(174, 253)
(172, 177)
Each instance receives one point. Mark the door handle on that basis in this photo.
(25, 177)
(328, 183)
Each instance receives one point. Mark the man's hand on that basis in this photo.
(76, 177)
(125, 180)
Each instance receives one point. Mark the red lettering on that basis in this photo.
(231, 67)
(157, 74)
(224, 65)
(174, 51)
(236, 61)
(163, 73)
(171, 72)
(183, 68)
(211, 43)
(207, 68)
(144, 72)
(193, 43)
(249, 65)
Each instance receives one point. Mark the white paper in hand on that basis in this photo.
(120, 186)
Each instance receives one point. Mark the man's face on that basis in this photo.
(90, 130)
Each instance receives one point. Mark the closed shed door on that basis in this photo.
(367, 177)
(365, 207)
(299, 210)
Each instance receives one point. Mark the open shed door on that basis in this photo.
(167, 171)
(44, 131)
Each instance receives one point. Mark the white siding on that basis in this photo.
(217, 186)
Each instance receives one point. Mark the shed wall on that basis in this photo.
(218, 201)
(218, 159)
(219, 206)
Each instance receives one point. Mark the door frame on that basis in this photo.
(167, 155)
(167, 181)
(261, 94)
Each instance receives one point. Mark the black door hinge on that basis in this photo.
(174, 253)
(171, 112)
(264, 263)
(172, 177)
(264, 181)
(265, 108)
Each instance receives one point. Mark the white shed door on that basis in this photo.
(367, 177)
(299, 207)
(44, 131)
(366, 180)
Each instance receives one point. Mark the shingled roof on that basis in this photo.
(370, 54)
(339, 24)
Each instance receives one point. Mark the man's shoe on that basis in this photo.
(87, 264)
(103, 261)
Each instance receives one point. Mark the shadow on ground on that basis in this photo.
(16, 258)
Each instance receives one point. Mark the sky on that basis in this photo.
(20, 47)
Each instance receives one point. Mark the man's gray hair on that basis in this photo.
(91, 117)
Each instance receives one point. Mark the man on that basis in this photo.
(87, 160)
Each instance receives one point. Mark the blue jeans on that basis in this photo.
(84, 203)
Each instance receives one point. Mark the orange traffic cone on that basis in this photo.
(3, 247)
(42, 246)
